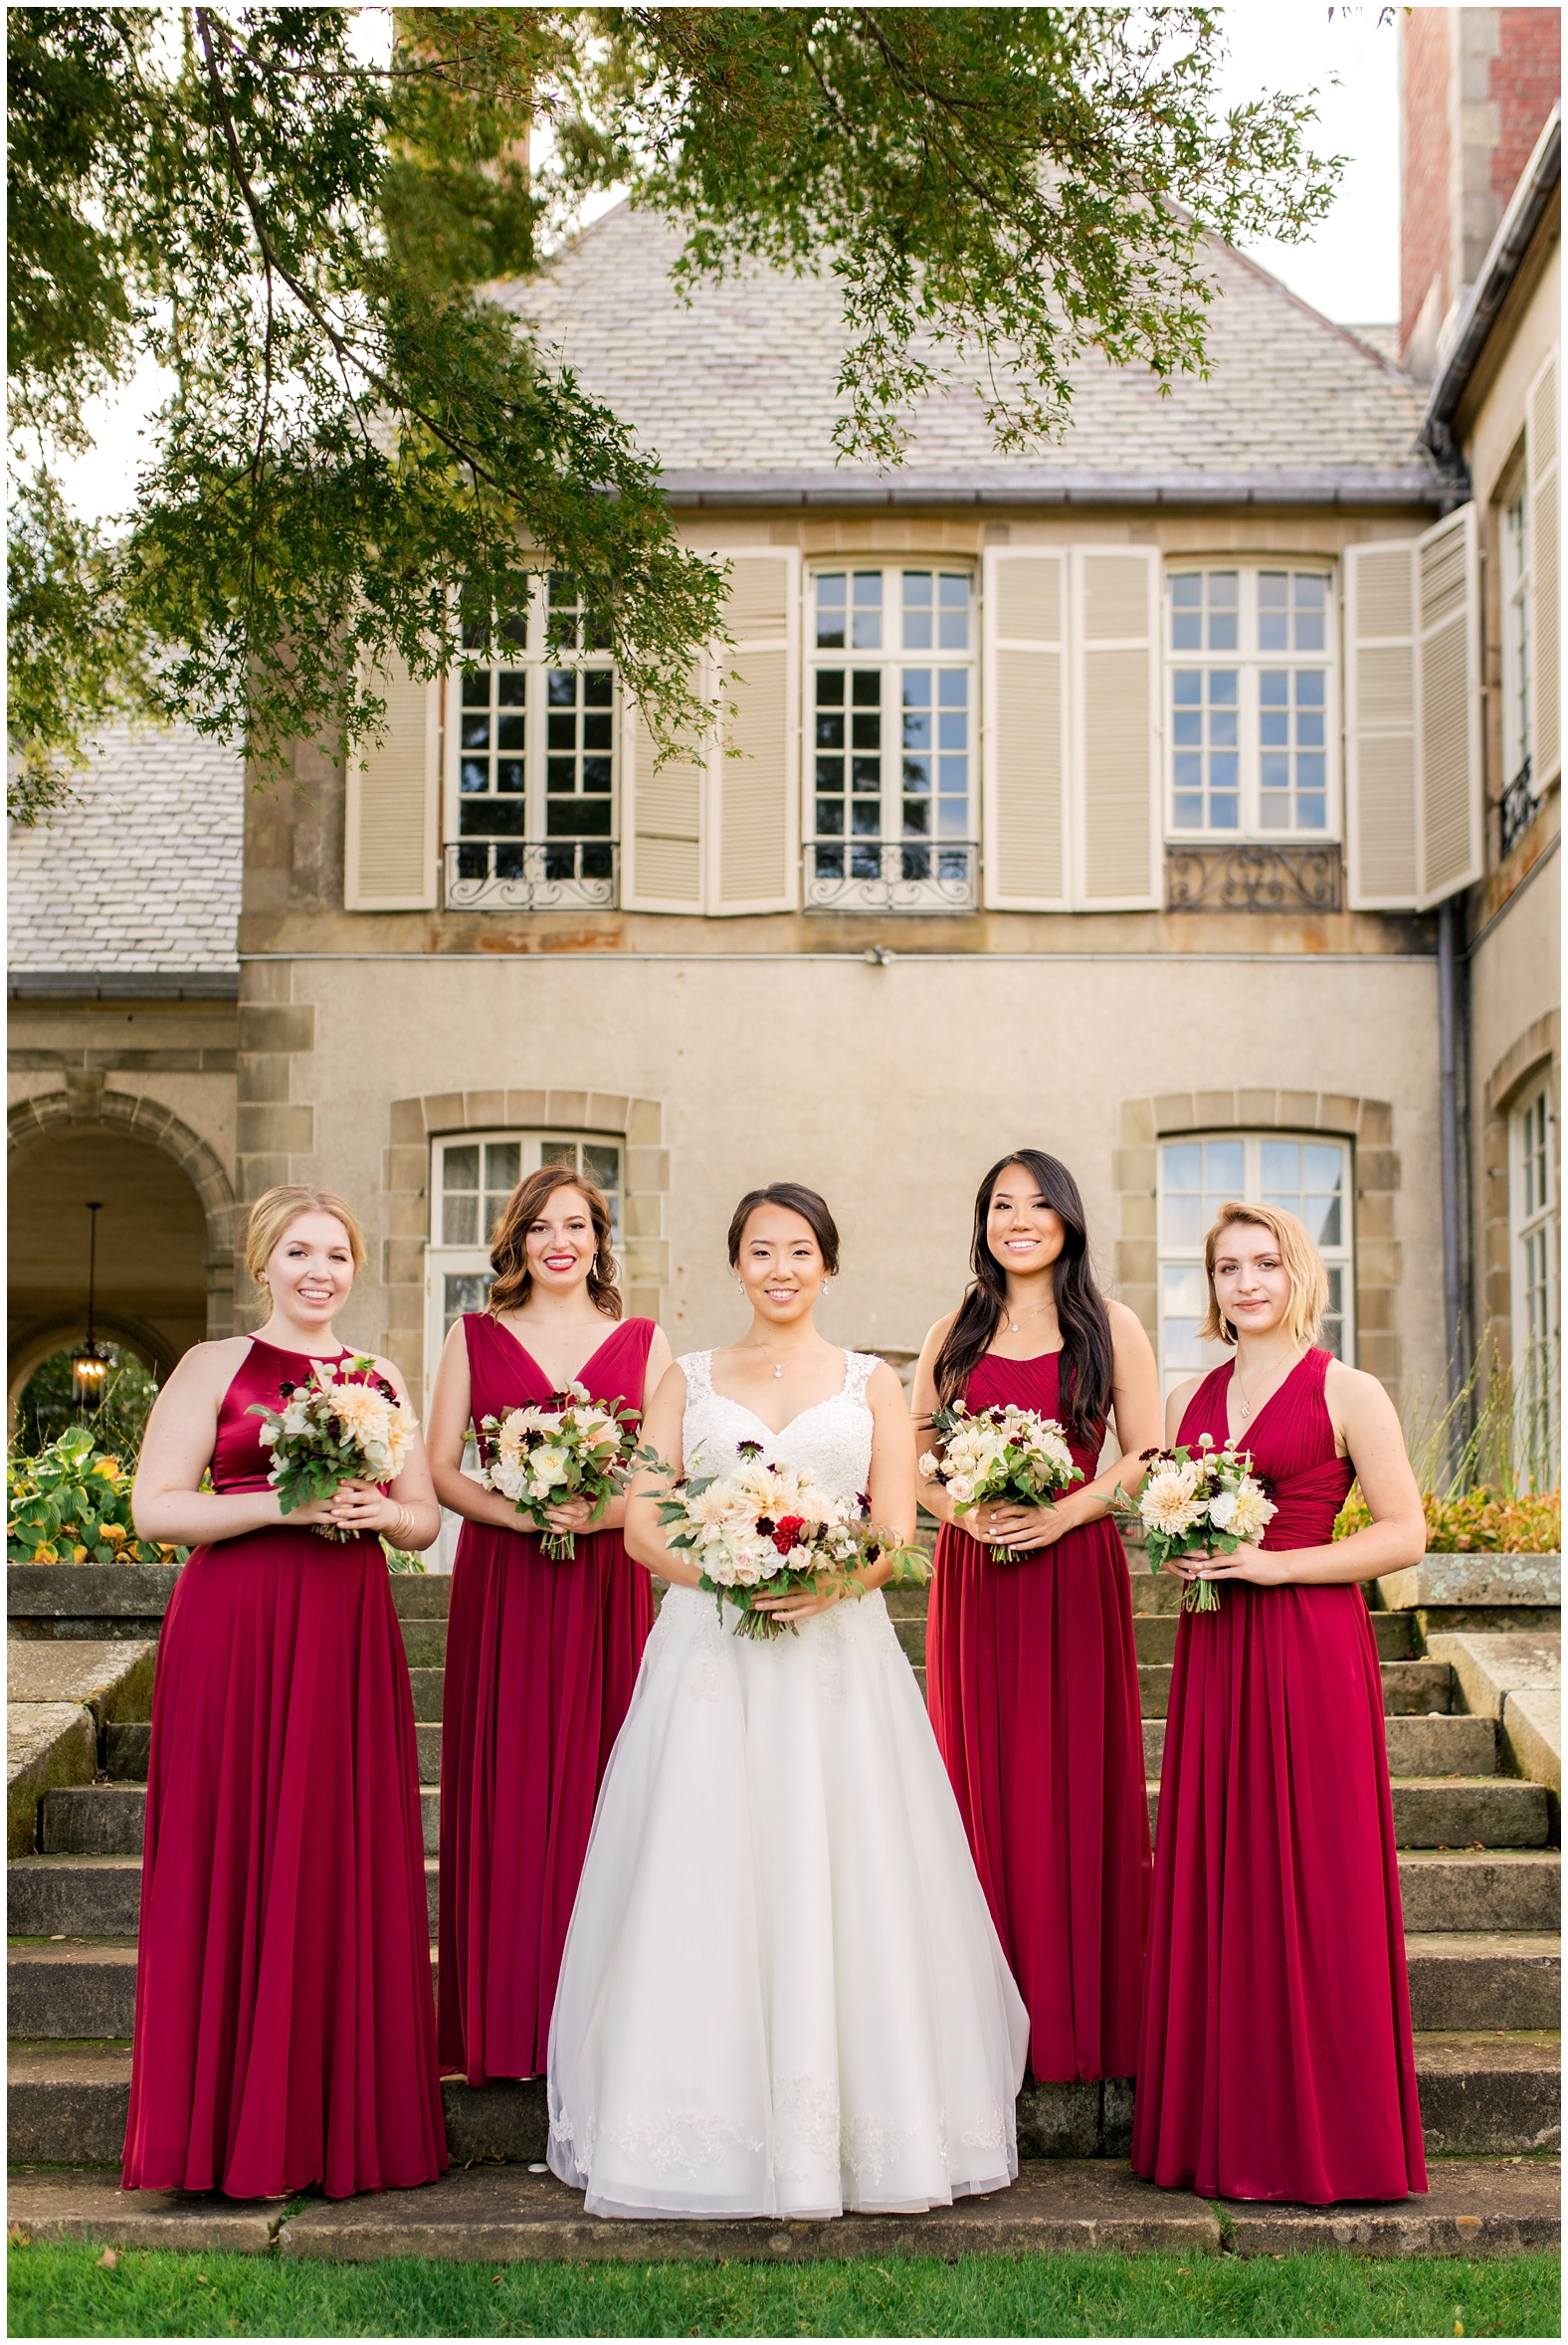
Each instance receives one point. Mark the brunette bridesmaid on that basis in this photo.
(1031, 1670)
(542, 1657)
(285, 2029)
(1276, 2059)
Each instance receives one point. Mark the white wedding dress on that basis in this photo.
(782, 1992)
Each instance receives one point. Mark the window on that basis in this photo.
(891, 680)
(472, 1177)
(531, 760)
(1308, 1177)
(1533, 1214)
(1251, 712)
(1518, 796)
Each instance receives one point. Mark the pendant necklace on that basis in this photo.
(1012, 1323)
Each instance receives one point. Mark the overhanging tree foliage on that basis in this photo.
(359, 439)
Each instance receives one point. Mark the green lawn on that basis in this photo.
(64, 2292)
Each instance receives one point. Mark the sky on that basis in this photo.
(1349, 269)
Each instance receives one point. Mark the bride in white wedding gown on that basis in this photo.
(782, 1992)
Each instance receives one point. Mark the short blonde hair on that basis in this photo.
(277, 1210)
(1303, 1267)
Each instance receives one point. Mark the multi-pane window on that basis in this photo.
(1307, 1177)
(531, 759)
(472, 1177)
(1537, 1336)
(1250, 704)
(1516, 639)
(892, 715)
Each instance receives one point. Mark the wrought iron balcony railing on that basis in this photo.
(1517, 810)
(531, 875)
(1253, 879)
(892, 875)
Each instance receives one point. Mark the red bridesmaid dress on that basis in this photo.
(1277, 2060)
(285, 2029)
(541, 1659)
(1032, 1680)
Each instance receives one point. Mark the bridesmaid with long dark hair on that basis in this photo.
(542, 1657)
(1031, 1670)
(1277, 2060)
(285, 2030)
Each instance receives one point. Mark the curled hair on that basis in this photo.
(277, 1210)
(509, 1250)
(1304, 1267)
(793, 1198)
(1087, 1353)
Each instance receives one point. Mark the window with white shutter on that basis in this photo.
(664, 818)
(1023, 741)
(755, 844)
(1380, 724)
(393, 802)
(1450, 838)
(1545, 532)
(1114, 821)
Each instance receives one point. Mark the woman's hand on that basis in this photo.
(572, 1514)
(801, 1605)
(1002, 1523)
(1248, 1563)
(358, 1507)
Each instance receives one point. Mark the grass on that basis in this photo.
(63, 2291)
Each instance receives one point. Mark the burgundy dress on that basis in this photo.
(1277, 2060)
(285, 2026)
(1032, 1678)
(541, 1659)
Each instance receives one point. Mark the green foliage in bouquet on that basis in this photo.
(72, 1504)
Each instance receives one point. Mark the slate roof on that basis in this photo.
(736, 394)
(139, 874)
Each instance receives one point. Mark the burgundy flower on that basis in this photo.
(748, 1448)
(789, 1531)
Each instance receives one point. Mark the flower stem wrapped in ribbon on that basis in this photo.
(1205, 1501)
(1007, 1453)
(769, 1530)
(346, 1423)
(564, 1448)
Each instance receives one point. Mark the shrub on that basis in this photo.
(1480, 1521)
(46, 1408)
(72, 1504)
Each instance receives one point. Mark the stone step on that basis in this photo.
(89, 1990)
(126, 1748)
(1154, 1634)
(1453, 1812)
(1435, 1745)
(1410, 1688)
(108, 1818)
(1479, 2094)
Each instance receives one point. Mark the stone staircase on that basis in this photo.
(1479, 1876)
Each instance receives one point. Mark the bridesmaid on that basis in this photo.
(285, 2031)
(1031, 1670)
(1277, 2060)
(542, 1657)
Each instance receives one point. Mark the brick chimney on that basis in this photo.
(1475, 86)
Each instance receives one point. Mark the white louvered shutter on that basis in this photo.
(755, 853)
(1114, 808)
(1450, 822)
(392, 815)
(1024, 742)
(663, 818)
(1380, 725)
(1546, 549)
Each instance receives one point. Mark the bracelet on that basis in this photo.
(401, 1528)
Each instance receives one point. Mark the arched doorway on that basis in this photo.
(165, 1234)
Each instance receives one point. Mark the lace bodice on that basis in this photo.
(832, 1439)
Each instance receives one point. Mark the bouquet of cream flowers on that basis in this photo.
(769, 1530)
(343, 1424)
(1008, 1453)
(1203, 1499)
(566, 1447)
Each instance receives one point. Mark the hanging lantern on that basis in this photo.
(88, 1364)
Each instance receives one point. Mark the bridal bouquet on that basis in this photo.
(345, 1424)
(769, 1530)
(999, 1453)
(566, 1447)
(1207, 1498)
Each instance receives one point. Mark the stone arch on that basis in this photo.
(50, 1117)
(1367, 1123)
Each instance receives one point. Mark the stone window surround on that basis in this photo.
(1369, 1127)
(1522, 1062)
(87, 1100)
(405, 1179)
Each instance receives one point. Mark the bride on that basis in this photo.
(782, 1992)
